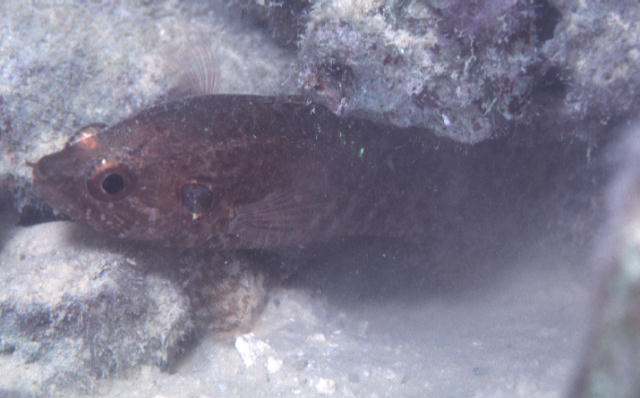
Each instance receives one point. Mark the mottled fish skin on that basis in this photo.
(239, 171)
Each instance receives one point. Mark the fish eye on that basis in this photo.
(111, 182)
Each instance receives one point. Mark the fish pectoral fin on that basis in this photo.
(287, 218)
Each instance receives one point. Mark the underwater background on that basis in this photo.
(531, 296)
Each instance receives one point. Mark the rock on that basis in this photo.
(274, 364)
(70, 314)
(250, 348)
(226, 291)
(284, 20)
(74, 307)
(596, 53)
(475, 70)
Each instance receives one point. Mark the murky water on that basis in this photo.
(493, 302)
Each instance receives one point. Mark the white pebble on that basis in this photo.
(317, 337)
(250, 348)
(273, 364)
(325, 386)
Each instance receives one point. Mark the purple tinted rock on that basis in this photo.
(472, 70)
(284, 20)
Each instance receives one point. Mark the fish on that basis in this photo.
(228, 171)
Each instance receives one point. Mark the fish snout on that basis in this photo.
(56, 175)
(46, 169)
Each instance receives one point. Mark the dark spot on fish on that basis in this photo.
(197, 198)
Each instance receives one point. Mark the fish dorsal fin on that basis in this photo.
(288, 218)
(193, 72)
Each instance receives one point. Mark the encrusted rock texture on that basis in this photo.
(472, 70)
(69, 314)
(74, 312)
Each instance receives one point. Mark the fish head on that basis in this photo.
(137, 184)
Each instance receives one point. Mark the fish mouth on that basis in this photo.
(55, 186)
(47, 168)
(44, 177)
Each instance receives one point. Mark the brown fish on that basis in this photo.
(240, 171)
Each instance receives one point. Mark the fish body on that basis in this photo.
(240, 171)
